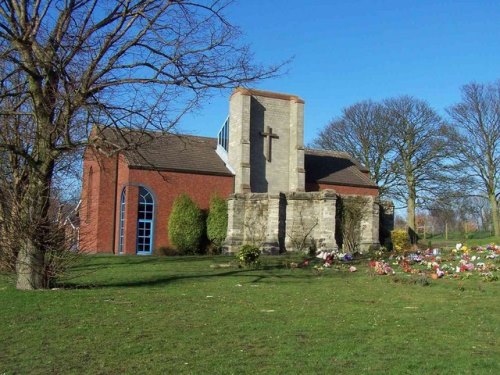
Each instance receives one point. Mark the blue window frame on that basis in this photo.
(145, 222)
(122, 223)
(223, 136)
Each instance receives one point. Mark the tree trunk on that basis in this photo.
(494, 214)
(30, 266)
(412, 230)
(34, 230)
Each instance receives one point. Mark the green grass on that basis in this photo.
(178, 315)
(471, 239)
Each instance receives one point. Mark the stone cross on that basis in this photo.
(270, 135)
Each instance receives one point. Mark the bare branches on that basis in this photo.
(401, 141)
(131, 64)
(476, 139)
(362, 131)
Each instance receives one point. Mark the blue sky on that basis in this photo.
(348, 51)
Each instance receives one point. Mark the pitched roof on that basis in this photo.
(334, 167)
(162, 151)
(188, 153)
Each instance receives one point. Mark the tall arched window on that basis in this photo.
(122, 223)
(145, 221)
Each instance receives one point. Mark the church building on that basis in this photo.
(277, 189)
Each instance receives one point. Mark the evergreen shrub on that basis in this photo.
(217, 221)
(186, 225)
(248, 256)
(400, 240)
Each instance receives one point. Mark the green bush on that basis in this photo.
(248, 256)
(217, 221)
(186, 225)
(400, 240)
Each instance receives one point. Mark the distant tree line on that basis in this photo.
(446, 166)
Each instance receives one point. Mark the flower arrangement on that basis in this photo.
(382, 268)
(461, 262)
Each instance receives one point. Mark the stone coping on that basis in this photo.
(295, 195)
(267, 94)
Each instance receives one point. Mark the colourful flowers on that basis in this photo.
(382, 268)
(459, 263)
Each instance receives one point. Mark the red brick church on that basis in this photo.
(127, 197)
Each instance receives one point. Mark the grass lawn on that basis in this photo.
(175, 315)
(471, 239)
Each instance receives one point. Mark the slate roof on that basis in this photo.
(334, 167)
(188, 153)
(160, 151)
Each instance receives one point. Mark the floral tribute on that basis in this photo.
(381, 268)
(459, 263)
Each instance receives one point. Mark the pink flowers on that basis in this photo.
(382, 268)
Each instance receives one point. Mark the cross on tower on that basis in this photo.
(269, 135)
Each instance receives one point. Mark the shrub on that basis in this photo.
(217, 221)
(400, 240)
(248, 256)
(185, 225)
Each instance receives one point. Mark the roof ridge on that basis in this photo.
(152, 132)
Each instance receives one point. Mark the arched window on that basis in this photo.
(122, 222)
(145, 221)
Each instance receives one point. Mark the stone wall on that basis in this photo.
(257, 219)
(310, 220)
(294, 221)
(370, 224)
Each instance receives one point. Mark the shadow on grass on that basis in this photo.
(255, 275)
(120, 275)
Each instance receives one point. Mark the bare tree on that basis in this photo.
(124, 64)
(476, 140)
(443, 212)
(362, 131)
(418, 136)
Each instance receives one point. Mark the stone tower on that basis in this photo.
(266, 147)
(263, 144)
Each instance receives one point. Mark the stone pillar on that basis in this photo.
(327, 220)
(291, 217)
(370, 225)
(271, 243)
(296, 159)
(239, 140)
(235, 225)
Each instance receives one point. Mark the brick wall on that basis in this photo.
(100, 209)
(97, 208)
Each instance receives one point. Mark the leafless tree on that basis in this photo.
(138, 64)
(362, 131)
(476, 140)
(418, 136)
